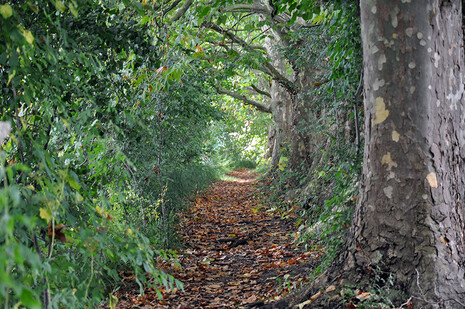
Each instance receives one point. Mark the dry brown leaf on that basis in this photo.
(58, 232)
(250, 300)
(362, 296)
(229, 278)
(316, 296)
(330, 288)
(351, 306)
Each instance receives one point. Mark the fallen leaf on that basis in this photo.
(362, 296)
(330, 288)
(351, 306)
(251, 299)
(316, 296)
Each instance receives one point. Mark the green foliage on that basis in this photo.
(99, 154)
(115, 121)
(327, 208)
(329, 54)
(245, 164)
(240, 139)
(379, 292)
(333, 184)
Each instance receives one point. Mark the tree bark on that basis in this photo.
(410, 219)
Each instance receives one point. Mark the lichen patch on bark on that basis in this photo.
(431, 177)
(395, 136)
(394, 21)
(381, 60)
(409, 31)
(386, 159)
(378, 84)
(388, 192)
(381, 113)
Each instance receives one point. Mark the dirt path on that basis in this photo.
(238, 254)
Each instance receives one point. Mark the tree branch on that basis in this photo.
(172, 6)
(225, 45)
(259, 91)
(179, 13)
(260, 106)
(267, 66)
(260, 9)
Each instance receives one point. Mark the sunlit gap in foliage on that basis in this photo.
(241, 136)
(243, 175)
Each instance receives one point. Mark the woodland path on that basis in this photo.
(238, 254)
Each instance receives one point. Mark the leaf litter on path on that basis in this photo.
(237, 253)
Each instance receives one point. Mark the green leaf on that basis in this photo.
(6, 11)
(204, 11)
(28, 36)
(33, 7)
(113, 301)
(73, 9)
(45, 214)
(28, 299)
(176, 74)
(60, 6)
(73, 183)
(5, 278)
(10, 77)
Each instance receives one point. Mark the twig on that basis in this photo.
(406, 303)
(36, 245)
(258, 35)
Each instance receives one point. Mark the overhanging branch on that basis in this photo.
(267, 67)
(259, 91)
(259, 9)
(260, 106)
(169, 8)
(179, 13)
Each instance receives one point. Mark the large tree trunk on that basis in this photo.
(281, 104)
(409, 222)
(410, 219)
